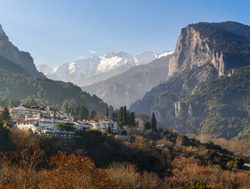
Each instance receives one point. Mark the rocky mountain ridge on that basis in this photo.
(204, 52)
(11, 53)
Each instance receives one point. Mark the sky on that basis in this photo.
(58, 31)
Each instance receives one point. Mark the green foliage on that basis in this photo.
(153, 122)
(65, 126)
(5, 139)
(78, 112)
(9, 66)
(147, 125)
(107, 113)
(93, 114)
(124, 117)
(20, 86)
(5, 116)
(223, 106)
(124, 132)
(226, 161)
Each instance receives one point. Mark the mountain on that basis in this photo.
(87, 71)
(17, 82)
(11, 53)
(22, 86)
(220, 107)
(125, 88)
(205, 52)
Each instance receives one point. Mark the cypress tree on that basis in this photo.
(153, 122)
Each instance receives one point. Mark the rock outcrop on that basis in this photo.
(204, 52)
(13, 54)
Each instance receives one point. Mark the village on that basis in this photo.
(44, 121)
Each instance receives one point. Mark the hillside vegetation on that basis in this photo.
(222, 107)
(16, 84)
(162, 159)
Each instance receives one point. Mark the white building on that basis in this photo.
(28, 125)
(109, 125)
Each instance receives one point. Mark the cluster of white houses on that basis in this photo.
(44, 121)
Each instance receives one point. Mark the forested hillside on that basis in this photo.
(16, 84)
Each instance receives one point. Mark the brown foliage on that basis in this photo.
(125, 176)
(73, 171)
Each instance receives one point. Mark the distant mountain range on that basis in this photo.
(87, 71)
(127, 87)
(208, 88)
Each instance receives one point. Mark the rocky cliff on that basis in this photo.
(13, 54)
(204, 52)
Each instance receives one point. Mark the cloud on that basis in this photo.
(92, 52)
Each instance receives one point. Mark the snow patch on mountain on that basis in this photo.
(165, 54)
(86, 71)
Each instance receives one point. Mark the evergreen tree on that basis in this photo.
(132, 119)
(120, 115)
(107, 113)
(109, 130)
(77, 112)
(153, 122)
(5, 116)
(124, 116)
(93, 114)
(83, 113)
(147, 126)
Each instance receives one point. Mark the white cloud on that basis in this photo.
(92, 52)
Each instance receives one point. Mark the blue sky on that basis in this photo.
(57, 31)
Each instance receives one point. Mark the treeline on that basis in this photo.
(124, 117)
(19, 86)
(80, 112)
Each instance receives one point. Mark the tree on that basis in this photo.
(5, 116)
(153, 122)
(93, 114)
(147, 125)
(65, 126)
(83, 113)
(109, 130)
(107, 112)
(132, 119)
(120, 114)
(124, 133)
(124, 116)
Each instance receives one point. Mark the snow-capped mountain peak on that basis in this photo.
(89, 70)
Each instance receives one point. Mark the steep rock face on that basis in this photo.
(204, 52)
(131, 85)
(193, 50)
(12, 53)
(163, 99)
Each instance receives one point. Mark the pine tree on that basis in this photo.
(132, 119)
(153, 122)
(120, 115)
(124, 117)
(107, 113)
(147, 125)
